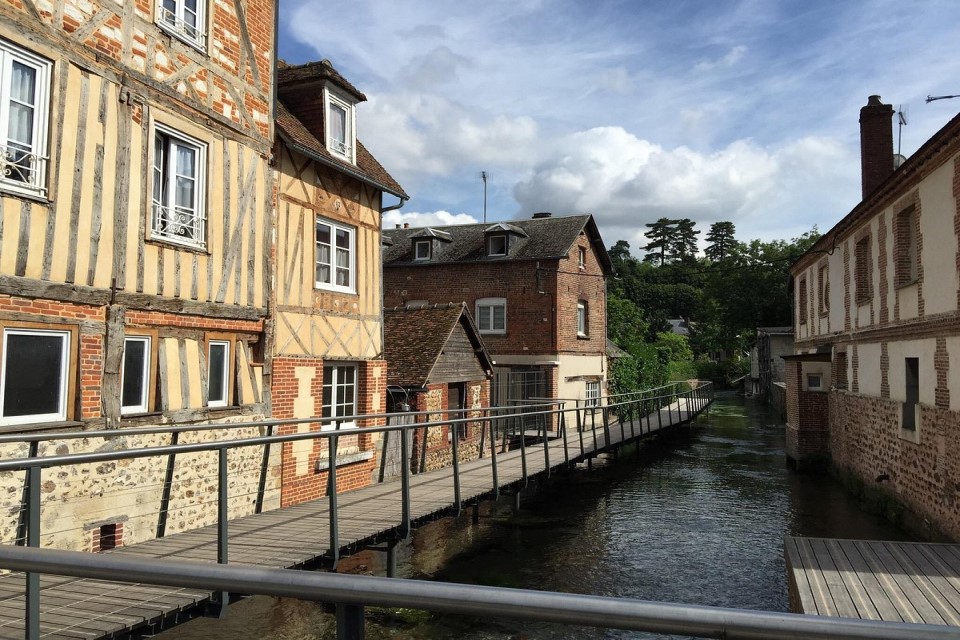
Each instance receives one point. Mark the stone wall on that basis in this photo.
(77, 500)
(921, 470)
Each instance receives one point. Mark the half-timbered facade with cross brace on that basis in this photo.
(135, 232)
(327, 357)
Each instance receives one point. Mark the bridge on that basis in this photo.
(517, 444)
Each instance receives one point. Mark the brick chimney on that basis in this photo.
(876, 144)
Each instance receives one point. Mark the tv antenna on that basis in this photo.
(901, 121)
(932, 98)
(483, 176)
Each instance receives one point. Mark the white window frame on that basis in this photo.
(225, 388)
(330, 412)
(592, 394)
(506, 244)
(175, 23)
(348, 149)
(819, 382)
(486, 317)
(582, 258)
(16, 155)
(164, 172)
(331, 263)
(419, 244)
(143, 405)
(61, 413)
(582, 319)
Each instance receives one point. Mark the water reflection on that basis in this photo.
(700, 521)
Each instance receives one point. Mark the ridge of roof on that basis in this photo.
(316, 71)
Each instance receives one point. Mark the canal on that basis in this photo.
(699, 519)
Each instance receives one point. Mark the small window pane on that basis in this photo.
(34, 371)
(135, 375)
(218, 374)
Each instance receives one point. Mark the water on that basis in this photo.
(699, 522)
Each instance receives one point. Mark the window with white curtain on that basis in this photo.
(184, 19)
(335, 256)
(179, 174)
(339, 395)
(24, 119)
(341, 139)
(135, 375)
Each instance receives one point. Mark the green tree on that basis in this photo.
(721, 241)
(662, 235)
(685, 240)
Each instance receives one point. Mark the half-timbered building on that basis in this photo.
(327, 355)
(135, 238)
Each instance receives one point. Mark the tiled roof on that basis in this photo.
(534, 239)
(322, 71)
(413, 340)
(299, 120)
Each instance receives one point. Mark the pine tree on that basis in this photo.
(721, 241)
(662, 235)
(685, 240)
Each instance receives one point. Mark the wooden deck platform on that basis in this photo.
(290, 537)
(893, 581)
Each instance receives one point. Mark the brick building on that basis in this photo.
(537, 291)
(437, 362)
(135, 201)
(876, 382)
(328, 327)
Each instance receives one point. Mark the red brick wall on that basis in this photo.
(925, 477)
(808, 433)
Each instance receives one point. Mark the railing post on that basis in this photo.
(546, 447)
(483, 430)
(593, 425)
(350, 622)
(25, 500)
(523, 452)
(576, 412)
(605, 412)
(659, 413)
(262, 482)
(167, 488)
(405, 480)
(455, 436)
(563, 434)
(223, 514)
(493, 458)
(332, 496)
(623, 429)
(32, 608)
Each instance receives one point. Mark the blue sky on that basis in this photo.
(712, 110)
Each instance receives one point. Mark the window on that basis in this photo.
(34, 379)
(135, 376)
(906, 247)
(421, 250)
(184, 19)
(497, 244)
(814, 382)
(582, 258)
(863, 270)
(581, 319)
(592, 394)
(335, 256)
(912, 380)
(179, 173)
(24, 110)
(823, 286)
(340, 126)
(339, 394)
(492, 315)
(218, 373)
(802, 301)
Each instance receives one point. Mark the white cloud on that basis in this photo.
(428, 219)
(730, 59)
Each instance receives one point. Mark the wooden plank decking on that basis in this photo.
(290, 537)
(874, 580)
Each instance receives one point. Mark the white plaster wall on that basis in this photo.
(938, 206)
(896, 377)
(909, 302)
(868, 371)
(575, 366)
(836, 288)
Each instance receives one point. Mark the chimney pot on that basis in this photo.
(398, 225)
(876, 144)
(406, 225)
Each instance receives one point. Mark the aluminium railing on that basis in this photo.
(29, 525)
(352, 593)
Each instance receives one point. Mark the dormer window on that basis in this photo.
(497, 244)
(422, 249)
(340, 126)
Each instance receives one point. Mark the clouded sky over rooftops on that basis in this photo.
(743, 111)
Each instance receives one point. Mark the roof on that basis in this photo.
(679, 326)
(613, 351)
(413, 340)
(776, 331)
(808, 357)
(300, 124)
(533, 239)
(914, 168)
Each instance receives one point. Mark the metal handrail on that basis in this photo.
(354, 592)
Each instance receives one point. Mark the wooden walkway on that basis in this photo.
(893, 581)
(291, 537)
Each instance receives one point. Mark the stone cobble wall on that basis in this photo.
(79, 499)
(924, 476)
